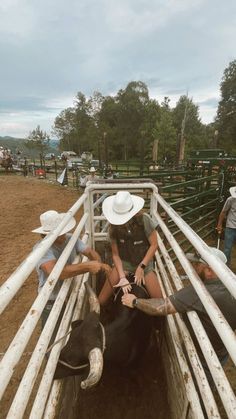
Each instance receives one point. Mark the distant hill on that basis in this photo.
(19, 143)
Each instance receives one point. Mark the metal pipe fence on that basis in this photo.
(94, 227)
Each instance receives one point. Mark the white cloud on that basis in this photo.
(136, 17)
(52, 49)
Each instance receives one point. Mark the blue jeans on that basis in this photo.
(230, 238)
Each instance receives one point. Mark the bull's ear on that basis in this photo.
(76, 323)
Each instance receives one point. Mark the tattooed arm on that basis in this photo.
(151, 306)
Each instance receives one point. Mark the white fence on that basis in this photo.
(93, 228)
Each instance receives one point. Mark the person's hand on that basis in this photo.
(139, 276)
(127, 300)
(94, 267)
(106, 268)
(219, 229)
(124, 284)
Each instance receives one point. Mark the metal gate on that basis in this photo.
(188, 387)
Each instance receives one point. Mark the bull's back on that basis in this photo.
(128, 336)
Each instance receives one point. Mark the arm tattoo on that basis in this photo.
(156, 306)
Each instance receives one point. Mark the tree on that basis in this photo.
(75, 126)
(84, 122)
(165, 133)
(126, 125)
(188, 125)
(226, 113)
(107, 122)
(131, 102)
(39, 140)
(65, 129)
(136, 118)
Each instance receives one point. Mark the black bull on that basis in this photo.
(122, 341)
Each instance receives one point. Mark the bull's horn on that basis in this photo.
(93, 300)
(96, 367)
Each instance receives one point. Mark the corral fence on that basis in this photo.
(189, 393)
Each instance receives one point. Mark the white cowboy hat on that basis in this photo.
(50, 220)
(193, 257)
(92, 169)
(233, 191)
(120, 208)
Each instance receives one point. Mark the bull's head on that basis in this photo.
(85, 346)
(127, 337)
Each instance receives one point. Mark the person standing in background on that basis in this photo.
(228, 212)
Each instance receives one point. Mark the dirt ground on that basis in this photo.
(24, 200)
(131, 396)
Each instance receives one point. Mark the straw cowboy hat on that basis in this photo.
(120, 208)
(233, 191)
(193, 257)
(50, 220)
(92, 169)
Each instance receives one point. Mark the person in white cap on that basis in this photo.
(133, 243)
(187, 299)
(49, 221)
(228, 212)
(92, 175)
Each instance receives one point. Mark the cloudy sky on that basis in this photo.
(51, 49)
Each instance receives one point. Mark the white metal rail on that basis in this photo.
(94, 225)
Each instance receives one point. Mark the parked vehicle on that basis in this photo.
(74, 162)
(87, 155)
(94, 163)
(49, 156)
(68, 154)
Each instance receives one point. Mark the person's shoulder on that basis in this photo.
(149, 220)
(230, 199)
(146, 216)
(228, 202)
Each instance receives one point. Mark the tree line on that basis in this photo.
(127, 125)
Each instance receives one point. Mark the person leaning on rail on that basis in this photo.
(49, 221)
(228, 212)
(133, 243)
(187, 299)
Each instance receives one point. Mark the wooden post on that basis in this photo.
(182, 137)
(106, 150)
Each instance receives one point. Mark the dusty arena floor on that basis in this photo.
(22, 202)
(140, 395)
